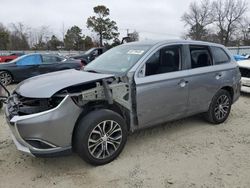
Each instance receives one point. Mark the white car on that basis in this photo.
(245, 75)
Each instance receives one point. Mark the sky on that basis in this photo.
(153, 19)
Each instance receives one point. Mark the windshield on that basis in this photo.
(89, 51)
(118, 60)
(17, 59)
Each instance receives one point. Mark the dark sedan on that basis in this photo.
(34, 64)
(89, 55)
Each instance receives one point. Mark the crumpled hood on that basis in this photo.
(46, 85)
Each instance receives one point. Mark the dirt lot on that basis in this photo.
(185, 153)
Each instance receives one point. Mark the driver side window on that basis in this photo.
(165, 60)
(30, 60)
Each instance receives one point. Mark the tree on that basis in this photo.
(197, 18)
(42, 35)
(74, 39)
(133, 36)
(245, 31)
(228, 14)
(4, 38)
(19, 37)
(54, 43)
(102, 25)
(88, 43)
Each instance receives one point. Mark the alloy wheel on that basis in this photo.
(105, 139)
(5, 78)
(222, 107)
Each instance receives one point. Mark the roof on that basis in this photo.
(176, 41)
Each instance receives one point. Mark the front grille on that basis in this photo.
(19, 105)
(245, 72)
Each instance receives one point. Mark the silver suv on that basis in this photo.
(130, 87)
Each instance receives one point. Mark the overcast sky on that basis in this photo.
(153, 19)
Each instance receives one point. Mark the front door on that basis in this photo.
(27, 67)
(162, 89)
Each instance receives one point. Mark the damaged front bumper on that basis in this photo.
(245, 84)
(47, 133)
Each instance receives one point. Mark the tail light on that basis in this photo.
(83, 63)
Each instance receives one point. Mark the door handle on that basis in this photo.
(183, 83)
(218, 76)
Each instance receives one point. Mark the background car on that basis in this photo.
(89, 55)
(245, 75)
(34, 64)
(7, 58)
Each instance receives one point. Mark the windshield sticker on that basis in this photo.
(136, 52)
(123, 69)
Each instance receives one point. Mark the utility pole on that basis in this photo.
(63, 31)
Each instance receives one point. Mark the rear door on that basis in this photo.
(50, 63)
(204, 78)
(27, 67)
(161, 89)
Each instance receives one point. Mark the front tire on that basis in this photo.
(100, 136)
(5, 78)
(220, 107)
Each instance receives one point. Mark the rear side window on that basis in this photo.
(50, 59)
(220, 56)
(200, 56)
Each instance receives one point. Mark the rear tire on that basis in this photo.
(100, 136)
(5, 78)
(219, 108)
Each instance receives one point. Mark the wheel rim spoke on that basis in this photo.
(94, 149)
(105, 139)
(222, 107)
(5, 78)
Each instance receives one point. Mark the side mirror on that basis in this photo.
(95, 53)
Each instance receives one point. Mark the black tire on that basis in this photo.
(87, 131)
(5, 78)
(1, 105)
(219, 108)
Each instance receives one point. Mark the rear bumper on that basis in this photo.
(47, 133)
(245, 85)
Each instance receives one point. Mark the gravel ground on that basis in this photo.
(185, 153)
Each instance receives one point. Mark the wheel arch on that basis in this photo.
(8, 72)
(230, 90)
(98, 106)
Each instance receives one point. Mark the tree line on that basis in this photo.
(21, 37)
(220, 21)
